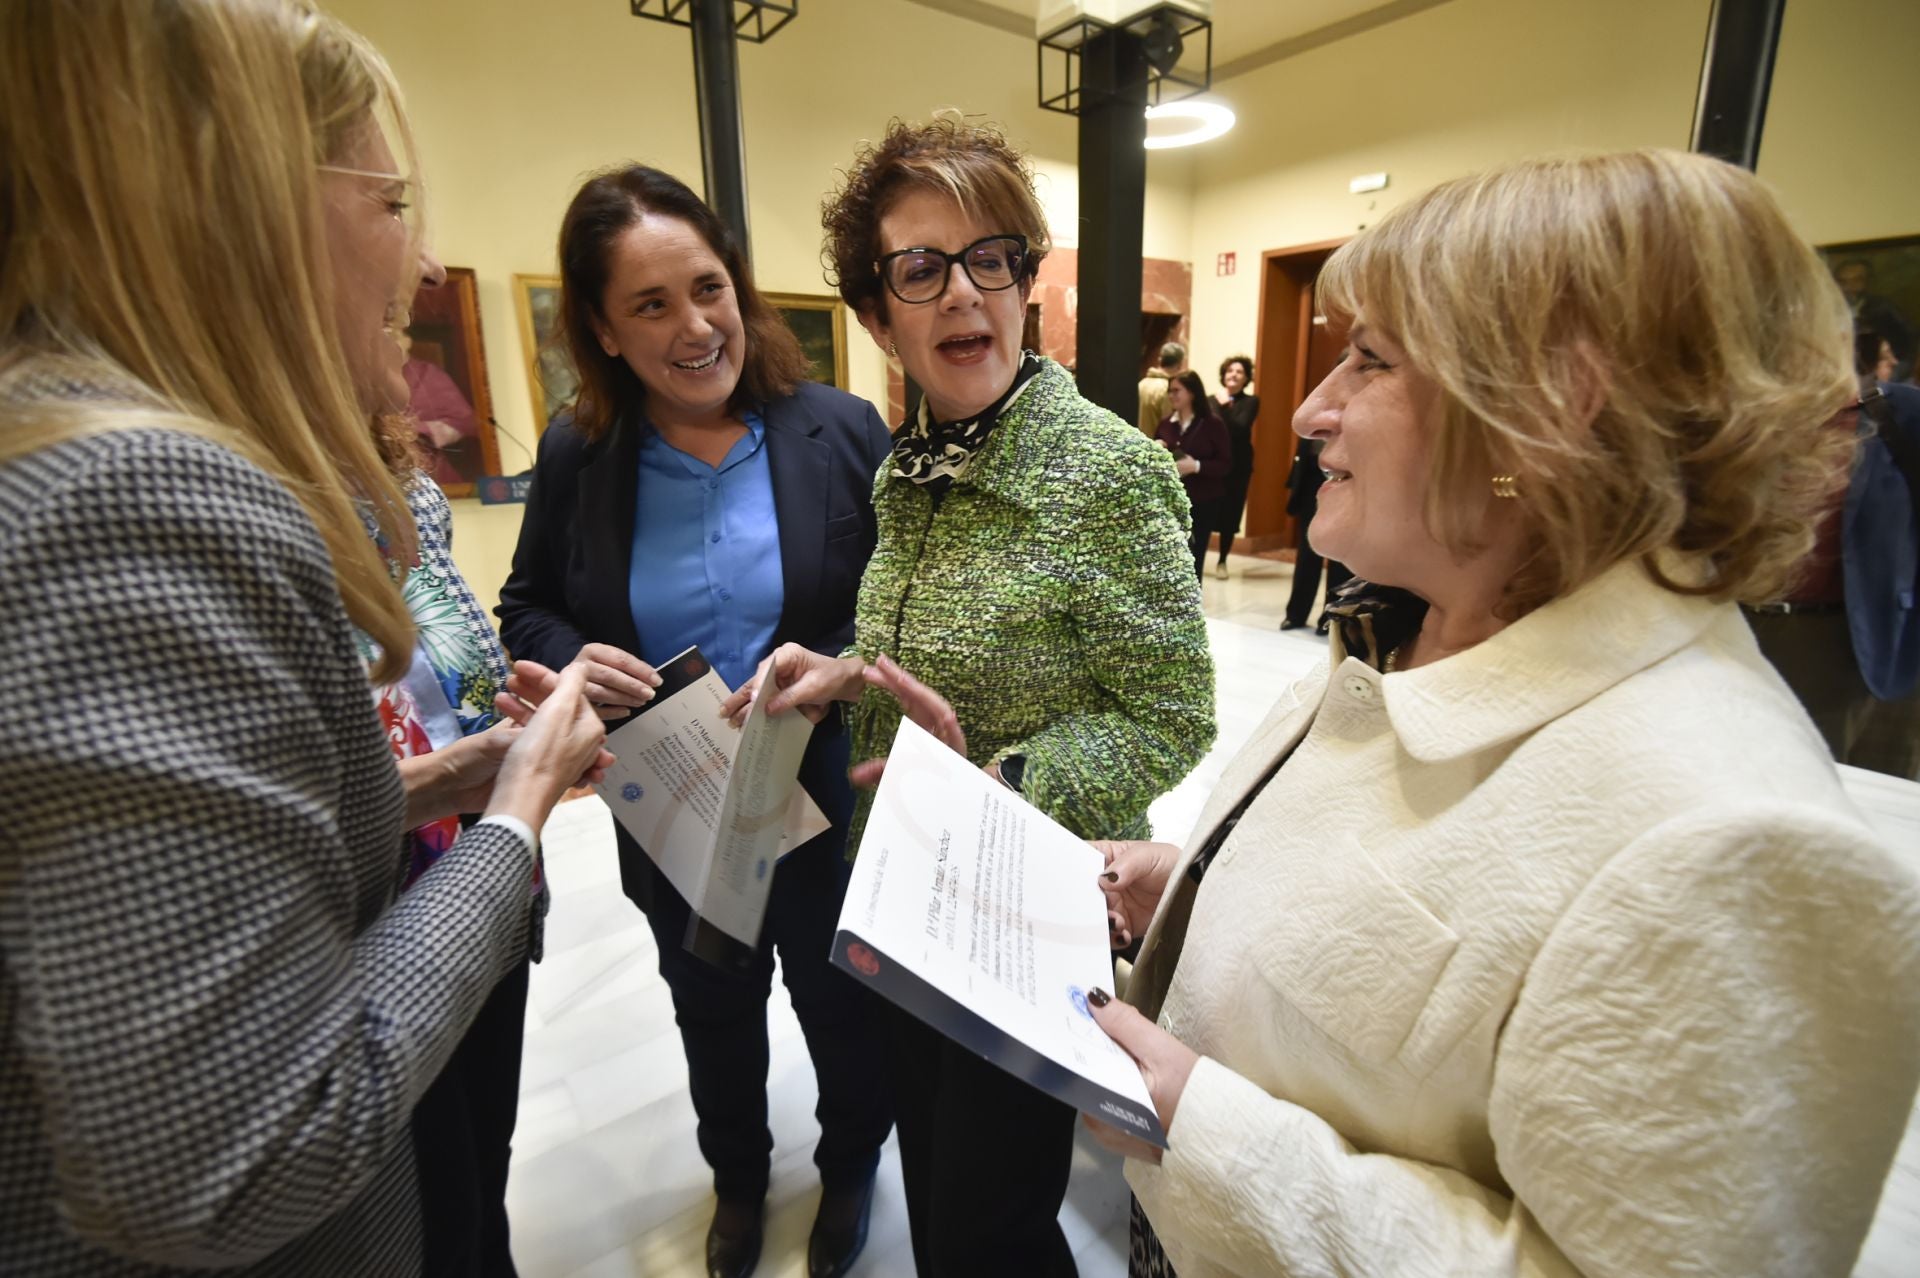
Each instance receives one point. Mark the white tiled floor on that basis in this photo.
(607, 1181)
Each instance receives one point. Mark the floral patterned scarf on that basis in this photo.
(935, 453)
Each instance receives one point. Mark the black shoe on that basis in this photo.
(733, 1240)
(1321, 628)
(1291, 624)
(839, 1230)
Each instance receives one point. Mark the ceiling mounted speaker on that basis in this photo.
(1162, 43)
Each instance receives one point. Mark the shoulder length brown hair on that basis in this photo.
(601, 211)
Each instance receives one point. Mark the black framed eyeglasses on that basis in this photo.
(916, 275)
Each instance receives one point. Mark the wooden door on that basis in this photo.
(1289, 362)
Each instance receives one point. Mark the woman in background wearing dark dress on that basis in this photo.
(1198, 441)
(1239, 408)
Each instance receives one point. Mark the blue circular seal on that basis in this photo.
(631, 792)
(1078, 997)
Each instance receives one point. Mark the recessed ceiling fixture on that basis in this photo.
(1210, 120)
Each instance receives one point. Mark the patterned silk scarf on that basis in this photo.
(935, 453)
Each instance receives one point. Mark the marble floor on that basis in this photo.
(606, 1179)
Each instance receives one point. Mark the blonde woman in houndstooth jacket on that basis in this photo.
(219, 1012)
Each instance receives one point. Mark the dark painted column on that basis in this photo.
(716, 87)
(1113, 211)
(1735, 74)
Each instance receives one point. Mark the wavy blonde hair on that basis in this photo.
(1639, 337)
(161, 230)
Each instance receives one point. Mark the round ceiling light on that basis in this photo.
(1210, 120)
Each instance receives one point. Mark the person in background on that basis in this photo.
(705, 493)
(220, 1009)
(1153, 387)
(1847, 637)
(1593, 968)
(1202, 455)
(1303, 497)
(1032, 570)
(1239, 409)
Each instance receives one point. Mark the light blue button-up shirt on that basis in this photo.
(706, 555)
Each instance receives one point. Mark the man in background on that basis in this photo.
(1153, 387)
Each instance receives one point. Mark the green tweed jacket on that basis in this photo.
(1051, 599)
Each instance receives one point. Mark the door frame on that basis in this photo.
(1280, 355)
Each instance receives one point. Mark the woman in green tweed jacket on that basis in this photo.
(1033, 571)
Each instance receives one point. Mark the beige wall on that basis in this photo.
(1446, 91)
(1838, 143)
(514, 101)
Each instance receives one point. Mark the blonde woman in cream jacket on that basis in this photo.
(1536, 935)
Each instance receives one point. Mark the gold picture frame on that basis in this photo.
(820, 322)
(551, 380)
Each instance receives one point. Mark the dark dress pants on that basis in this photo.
(1206, 516)
(722, 1014)
(1233, 506)
(985, 1159)
(463, 1140)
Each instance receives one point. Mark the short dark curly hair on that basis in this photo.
(1245, 361)
(972, 163)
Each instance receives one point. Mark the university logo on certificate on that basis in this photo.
(971, 909)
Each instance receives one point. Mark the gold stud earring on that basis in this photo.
(1507, 486)
(893, 350)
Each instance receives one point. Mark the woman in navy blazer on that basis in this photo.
(703, 492)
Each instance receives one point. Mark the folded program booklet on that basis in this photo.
(713, 806)
(971, 909)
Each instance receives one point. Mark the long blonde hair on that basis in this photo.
(161, 230)
(1642, 339)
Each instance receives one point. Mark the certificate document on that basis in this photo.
(714, 807)
(971, 909)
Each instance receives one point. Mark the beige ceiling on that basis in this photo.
(1246, 33)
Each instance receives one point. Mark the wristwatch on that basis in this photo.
(1012, 769)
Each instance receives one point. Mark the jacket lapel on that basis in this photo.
(605, 513)
(799, 463)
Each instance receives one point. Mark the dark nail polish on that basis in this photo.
(1098, 997)
(1111, 877)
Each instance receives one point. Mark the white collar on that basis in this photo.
(1552, 660)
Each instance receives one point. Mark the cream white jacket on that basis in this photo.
(1563, 955)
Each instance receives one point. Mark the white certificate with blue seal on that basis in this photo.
(979, 914)
(714, 807)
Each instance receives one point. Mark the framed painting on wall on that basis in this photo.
(550, 376)
(820, 322)
(1881, 281)
(446, 372)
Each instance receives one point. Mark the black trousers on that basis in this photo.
(1232, 507)
(1206, 517)
(463, 1140)
(1306, 579)
(722, 1015)
(984, 1157)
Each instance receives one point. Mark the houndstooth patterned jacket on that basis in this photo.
(215, 1015)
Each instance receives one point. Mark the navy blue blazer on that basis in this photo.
(1881, 549)
(571, 568)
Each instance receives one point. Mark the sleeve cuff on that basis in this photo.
(516, 825)
(1221, 1141)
